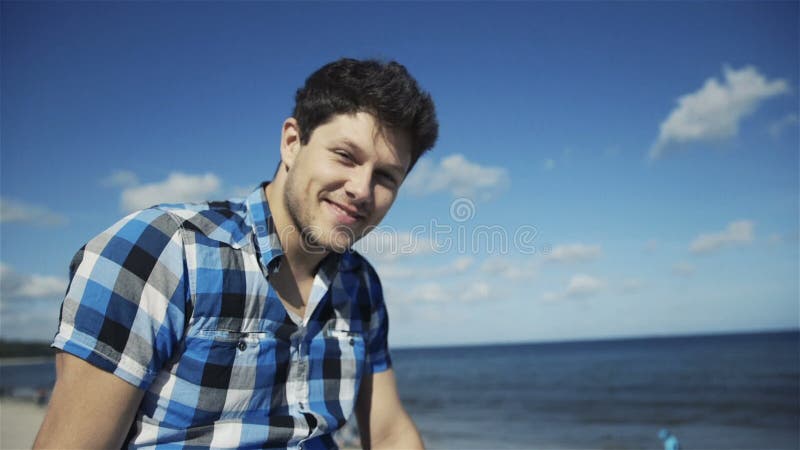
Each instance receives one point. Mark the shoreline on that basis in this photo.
(22, 360)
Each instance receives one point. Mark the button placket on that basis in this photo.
(302, 370)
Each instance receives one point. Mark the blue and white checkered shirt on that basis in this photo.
(175, 300)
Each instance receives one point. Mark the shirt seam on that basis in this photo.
(189, 280)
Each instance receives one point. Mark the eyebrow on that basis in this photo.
(392, 167)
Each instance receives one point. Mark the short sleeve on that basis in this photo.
(378, 358)
(125, 307)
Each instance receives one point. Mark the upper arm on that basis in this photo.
(125, 308)
(89, 408)
(121, 318)
(382, 420)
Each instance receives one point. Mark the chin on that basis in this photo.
(341, 242)
(331, 240)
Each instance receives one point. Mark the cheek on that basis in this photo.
(330, 177)
(384, 199)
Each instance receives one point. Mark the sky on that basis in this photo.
(603, 170)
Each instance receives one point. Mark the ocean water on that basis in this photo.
(713, 392)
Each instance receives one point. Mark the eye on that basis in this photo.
(343, 156)
(387, 179)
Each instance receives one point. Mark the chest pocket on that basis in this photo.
(223, 375)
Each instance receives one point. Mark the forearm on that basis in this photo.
(403, 435)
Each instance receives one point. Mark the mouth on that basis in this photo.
(344, 214)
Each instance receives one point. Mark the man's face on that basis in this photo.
(345, 179)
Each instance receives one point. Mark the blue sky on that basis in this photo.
(644, 155)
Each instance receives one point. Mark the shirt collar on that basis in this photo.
(260, 218)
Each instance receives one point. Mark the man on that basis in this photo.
(250, 323)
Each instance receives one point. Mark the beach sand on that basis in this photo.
(19, 422)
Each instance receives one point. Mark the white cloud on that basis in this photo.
(580, 285)
(28, 304)
(28, 321)
(394, 272)
(435, 292)
(479, 290)
(650, 246)
(570, 253)
(15, 211)
(549, 164)
(15, 286)
(388, 244)
(430, 292)
(458, 176)
(178, 187)
(462, 263)
(120, 178)
(509, 269)
(714, 111)
(390, 270)
(683, 269)
(736, 232)
(777, 128)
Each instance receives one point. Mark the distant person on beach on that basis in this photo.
(41, 396)
(250, 322)
(670, 441)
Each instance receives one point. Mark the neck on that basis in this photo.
(303, 264)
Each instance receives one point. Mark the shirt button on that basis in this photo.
(242, 346)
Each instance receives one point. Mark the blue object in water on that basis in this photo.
(670, 441)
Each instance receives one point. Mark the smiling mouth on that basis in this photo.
(343, 213)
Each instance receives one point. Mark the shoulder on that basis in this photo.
(142, 242)
(356, 264)
(148, 228)
(222, 221)
(159, 232)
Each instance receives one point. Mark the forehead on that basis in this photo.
(363, 131)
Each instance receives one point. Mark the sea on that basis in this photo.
(733, 391)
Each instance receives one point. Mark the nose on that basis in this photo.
(359, 186)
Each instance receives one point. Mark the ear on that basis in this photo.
(290, 141)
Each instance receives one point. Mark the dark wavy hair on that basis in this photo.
(384, 89)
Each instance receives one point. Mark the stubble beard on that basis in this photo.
(313, 238)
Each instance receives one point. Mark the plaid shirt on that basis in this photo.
(175, 300)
